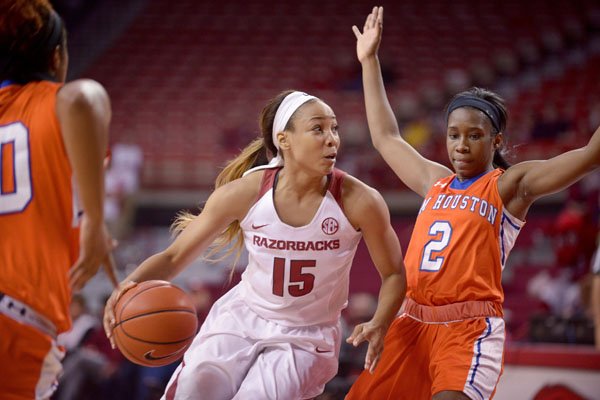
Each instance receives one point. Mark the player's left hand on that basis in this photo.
(374, 334)
(367, 42)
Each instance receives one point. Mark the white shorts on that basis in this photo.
(239, 355)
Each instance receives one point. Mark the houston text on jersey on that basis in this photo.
(458, 201)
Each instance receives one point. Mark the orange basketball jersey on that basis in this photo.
(38, 238)
(460, 243)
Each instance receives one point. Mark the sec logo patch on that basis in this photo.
(330, 226)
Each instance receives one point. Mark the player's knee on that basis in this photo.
(209, 379)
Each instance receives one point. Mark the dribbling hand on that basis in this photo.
(109, 310)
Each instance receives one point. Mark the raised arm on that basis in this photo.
(83, 111)
(367, 210)
(526, 182)
(417, 172)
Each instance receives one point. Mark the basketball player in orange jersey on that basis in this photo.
(448, 341)
(276, 335)
(53, 139)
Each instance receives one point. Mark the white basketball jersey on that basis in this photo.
(298, 276)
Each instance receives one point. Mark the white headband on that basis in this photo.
(286, 109)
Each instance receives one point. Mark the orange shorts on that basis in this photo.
(29, 361)
(421, 359)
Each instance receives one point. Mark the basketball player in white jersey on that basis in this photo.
(276, 335)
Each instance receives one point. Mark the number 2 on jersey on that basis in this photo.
(441, 231)
(15, 172)
(299, 283)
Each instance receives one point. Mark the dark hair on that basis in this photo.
(30, 30)
(502, 113)
(252, 155)
(256, 152)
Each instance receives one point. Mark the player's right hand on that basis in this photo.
(374, 334)
(109, 310)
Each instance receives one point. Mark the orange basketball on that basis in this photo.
(155, 323)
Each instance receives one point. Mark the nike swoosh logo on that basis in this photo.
(258, 226)
(322, 351)
(148, 355)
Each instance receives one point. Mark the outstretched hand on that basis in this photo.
(372, 333)
(367, 42)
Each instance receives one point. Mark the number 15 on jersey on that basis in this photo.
(298, 282)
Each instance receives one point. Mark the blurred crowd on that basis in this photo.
(563, 287)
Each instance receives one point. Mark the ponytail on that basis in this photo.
(254, 154)
(251, 155)
(499, 161)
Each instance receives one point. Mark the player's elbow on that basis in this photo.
(399, 273)
(379, 142)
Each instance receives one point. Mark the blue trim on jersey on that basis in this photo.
(517, 227)
(6, 82)
(488, 333)
(502, 251)
(456, 184)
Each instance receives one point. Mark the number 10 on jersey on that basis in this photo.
(298, 282)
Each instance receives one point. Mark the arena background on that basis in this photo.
(188, 78)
